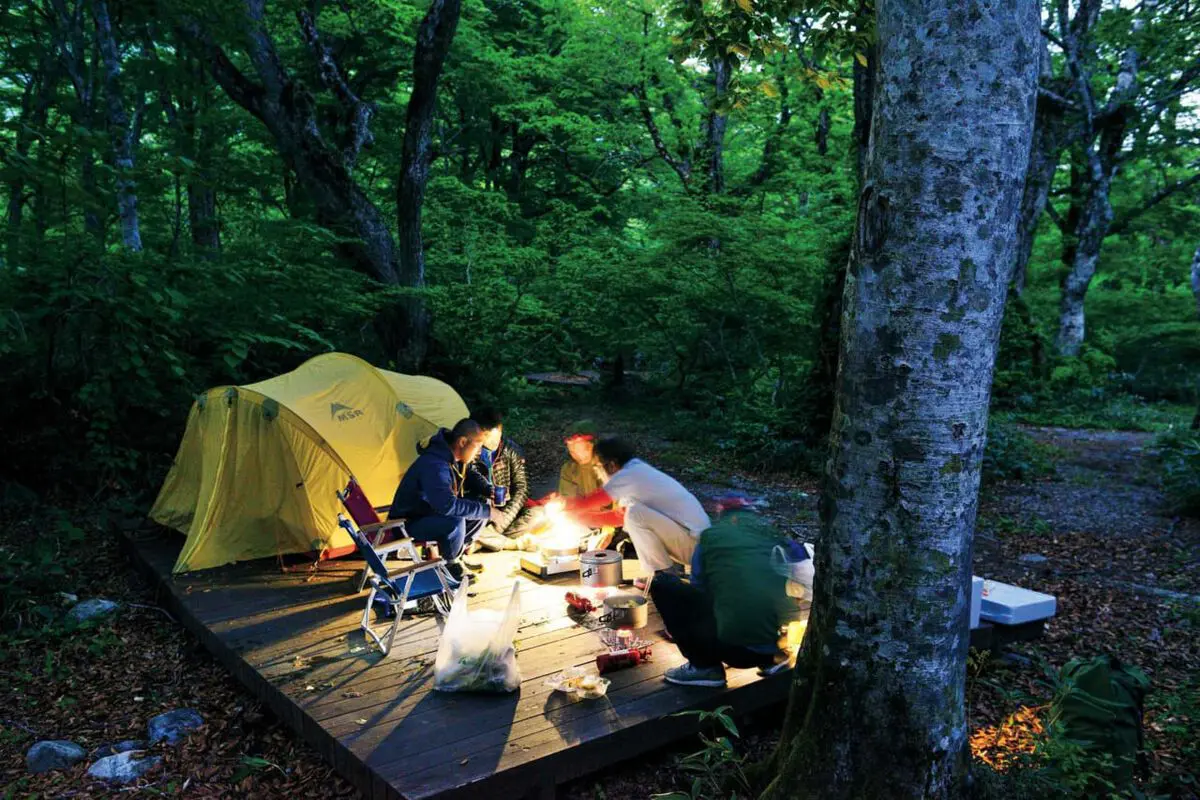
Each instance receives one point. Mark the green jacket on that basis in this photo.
(733, 564)
(580, 480)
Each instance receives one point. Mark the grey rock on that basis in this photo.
(120, 747)
(1032, 558)
(90, 609)
(123, 767)
(174, 726)
(53, 754)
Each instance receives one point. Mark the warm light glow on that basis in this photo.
(558, 531)
(795, 634)
(1000, 745)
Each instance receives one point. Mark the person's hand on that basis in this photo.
(496, 517)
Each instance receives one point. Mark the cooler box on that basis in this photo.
(1012, 605)
(976, 599)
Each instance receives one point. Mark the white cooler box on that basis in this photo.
(1012, 605)
(976, 600)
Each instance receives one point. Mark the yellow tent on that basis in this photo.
(259, 465)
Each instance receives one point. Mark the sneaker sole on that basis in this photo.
(706, 683)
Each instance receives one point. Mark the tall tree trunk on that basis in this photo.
(721, 68)
(1196, 294)
(120, 131)
(1049, 138)
(434, 37)
(201, 189)
(72, 46)
(864, 94)
(1102, 159)
(35, 106)
(878, 707)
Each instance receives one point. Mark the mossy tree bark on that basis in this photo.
(878, 708)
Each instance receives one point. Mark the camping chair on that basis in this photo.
(366, 517)
(393, 591)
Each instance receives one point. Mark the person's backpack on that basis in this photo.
(1100, 703)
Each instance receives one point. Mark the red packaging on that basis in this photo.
(580, 603)
(622, 659)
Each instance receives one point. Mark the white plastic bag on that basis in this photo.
(799, 574)
(476, 653)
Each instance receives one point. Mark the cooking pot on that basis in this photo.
(600, 568)
(625, 611)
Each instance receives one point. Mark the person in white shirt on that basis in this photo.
(663, 519)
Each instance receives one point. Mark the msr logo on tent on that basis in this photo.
(343, 413)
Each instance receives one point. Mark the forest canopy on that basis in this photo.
(204, 193)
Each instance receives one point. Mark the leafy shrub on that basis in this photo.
(1179, 455)
(1012, 454)
(101, 353)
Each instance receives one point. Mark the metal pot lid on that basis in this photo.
(601, 557)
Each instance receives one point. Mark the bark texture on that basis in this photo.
(434, 37)
(120, 128)
(878, 708)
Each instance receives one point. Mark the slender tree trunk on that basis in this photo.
(121, 132)
(721, 68)
(1102, 158)
(434, 37)
(864, 95)
(878, 707)
(35, 106)
(1196, 294)
(1049, 138)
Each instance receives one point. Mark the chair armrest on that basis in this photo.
(413, 566)
(393, 546)
(377, 527)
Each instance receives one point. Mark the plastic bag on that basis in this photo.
(476, 653)
(798, 571)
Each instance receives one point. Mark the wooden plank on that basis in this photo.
(415, 742)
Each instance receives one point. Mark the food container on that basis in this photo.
(625, 611)
(600, 568)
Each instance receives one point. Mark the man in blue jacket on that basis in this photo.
(434, 494)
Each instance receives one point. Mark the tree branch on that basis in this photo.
(358, 113)
(243, 91)
(682, 168)
(1122, 224)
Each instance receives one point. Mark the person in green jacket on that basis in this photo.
(733, 609)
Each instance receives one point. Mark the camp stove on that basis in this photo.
(559, 543)
(546, 565)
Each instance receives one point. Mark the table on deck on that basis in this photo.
(293, 640)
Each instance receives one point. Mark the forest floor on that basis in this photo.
(1125, 576)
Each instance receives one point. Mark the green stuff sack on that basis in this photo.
(1100, 705)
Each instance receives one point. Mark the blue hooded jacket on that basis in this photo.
(431, 486)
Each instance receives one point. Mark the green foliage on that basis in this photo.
(717, 769)
(1179, 455)
(32, 573)
(1012, 454)
(109, 348)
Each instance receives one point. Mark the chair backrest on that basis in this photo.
(357, 505)
(364, 548)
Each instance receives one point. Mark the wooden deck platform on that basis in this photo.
(293, 640)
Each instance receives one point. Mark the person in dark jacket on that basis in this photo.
(435, 493)
(502, 463)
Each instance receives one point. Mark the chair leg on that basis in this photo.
(362, 581)
(391, 634)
